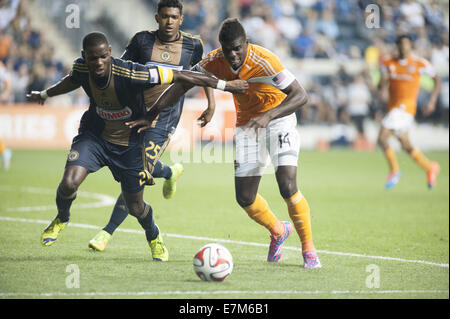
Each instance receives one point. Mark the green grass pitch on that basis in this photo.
(399, 237)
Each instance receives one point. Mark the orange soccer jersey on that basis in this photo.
(266, 76)
(2, 147)
(404, 81)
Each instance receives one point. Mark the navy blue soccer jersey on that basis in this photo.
(182, 53)
(119, 99)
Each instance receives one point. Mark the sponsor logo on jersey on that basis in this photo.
(401, 77)
(114, 115)
(411, 69)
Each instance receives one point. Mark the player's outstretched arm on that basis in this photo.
(296, 97)
(184, 81)
(62, 87)
(200, 79)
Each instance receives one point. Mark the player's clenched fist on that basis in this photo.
(37, 96)
(236, 86)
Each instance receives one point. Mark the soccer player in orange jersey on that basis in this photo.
(401, 81)
(266, 130)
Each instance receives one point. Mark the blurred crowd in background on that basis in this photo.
(293, 29)
(27, 60)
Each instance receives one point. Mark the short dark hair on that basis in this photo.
(94, 39)
(170, 4)
(403, 36)
(230, 30)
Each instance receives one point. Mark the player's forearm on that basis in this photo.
(210, 97)
(195, 78)
(62, 87)
(295, 99)
(285, 109)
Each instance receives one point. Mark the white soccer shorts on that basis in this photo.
(398, 120)
(279, 143)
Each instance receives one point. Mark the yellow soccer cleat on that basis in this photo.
(99, 242)
(51, 233)
(159, 249)
(170, 185)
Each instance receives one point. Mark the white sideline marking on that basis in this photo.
(219, 292)
(237, 242)
(102, 199)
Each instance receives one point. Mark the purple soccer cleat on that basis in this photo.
(275, 248)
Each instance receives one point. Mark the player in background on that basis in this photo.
(5, 92)
(168, 47)
(116, 92)
(5, 156)
(399, 86)
(267, 109)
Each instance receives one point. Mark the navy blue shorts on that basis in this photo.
(155, 143)
(125, 162)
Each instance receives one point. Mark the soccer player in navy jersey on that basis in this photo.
(116, 92)
(169, 47)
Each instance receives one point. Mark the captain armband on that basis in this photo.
(165, 75)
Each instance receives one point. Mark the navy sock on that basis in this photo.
(161, 170)
(147, 222)
(63, 203)
(119, 213)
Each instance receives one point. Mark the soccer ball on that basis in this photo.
(213, 262)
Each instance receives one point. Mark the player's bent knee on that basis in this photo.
(287, 180)
(288, 189)
(407, 148)
(245, 200)
(135, 209)
(135, 202)
(382, 140)
(69, 185)
(72, 179)
(406, 145)
(135, 206)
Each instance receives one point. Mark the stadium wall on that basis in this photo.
(32, 126)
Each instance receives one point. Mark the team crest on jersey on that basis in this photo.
(165, 56)
(114, 115)
(73, 156)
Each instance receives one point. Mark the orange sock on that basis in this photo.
(420, 159)
(260, 212)
(392, 159)
(300, 214)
